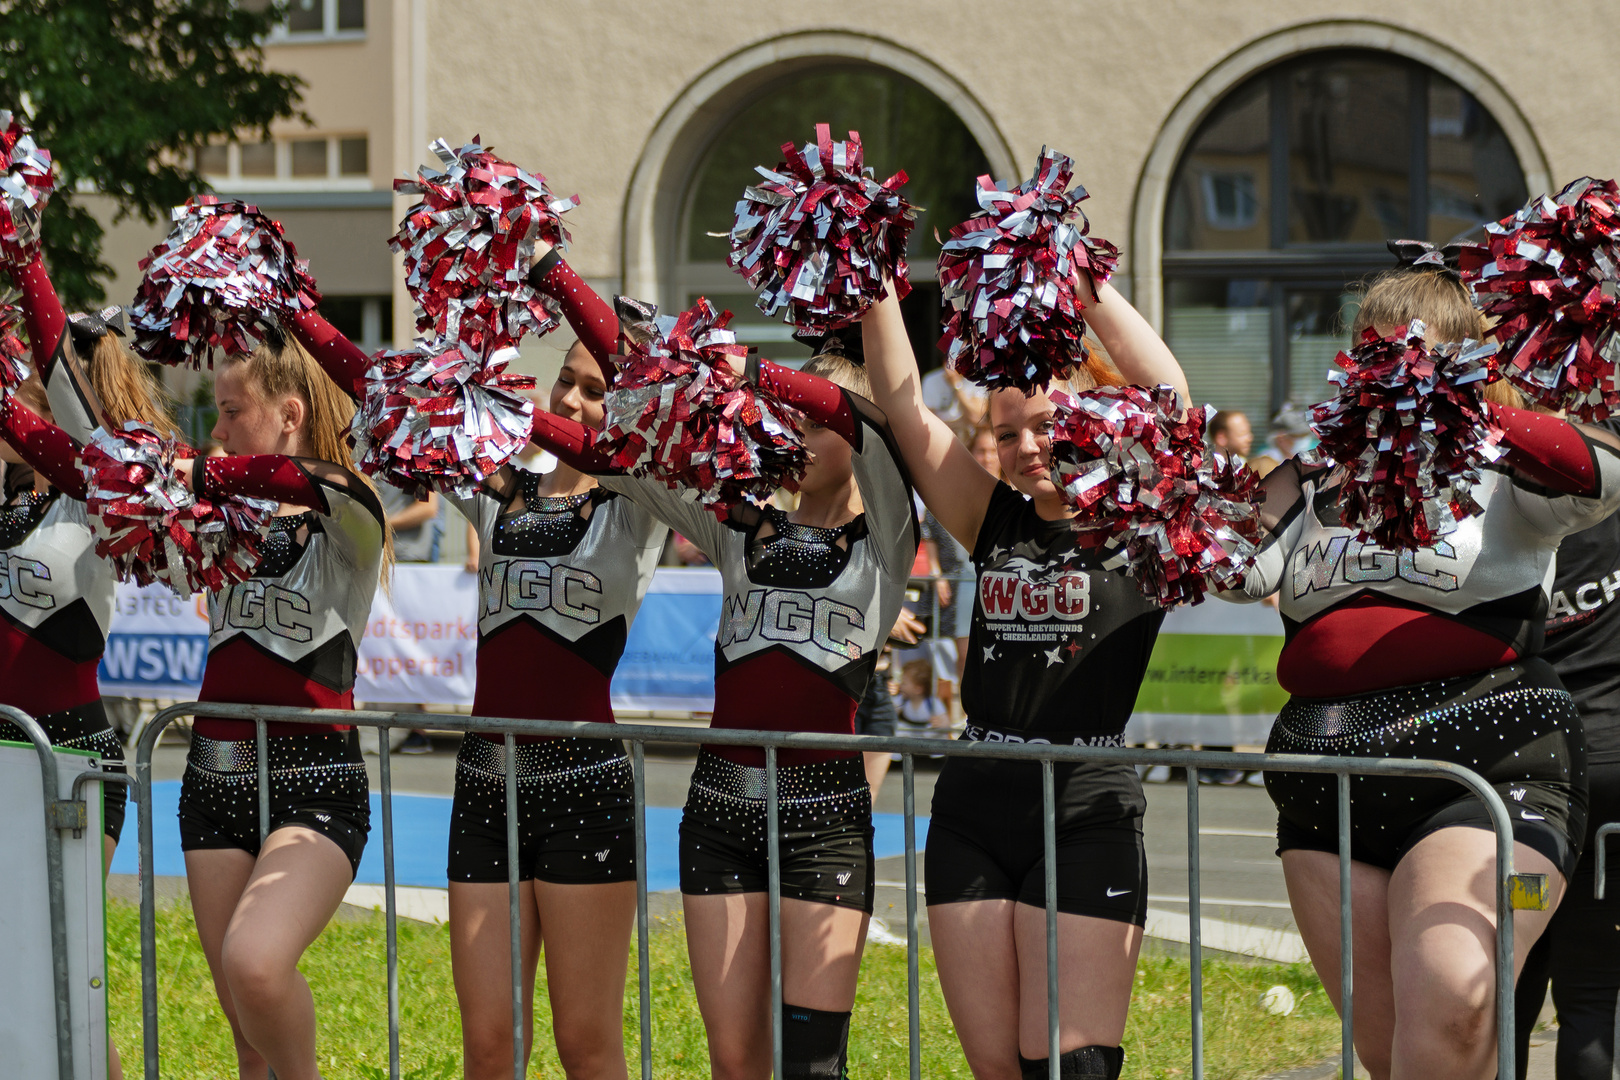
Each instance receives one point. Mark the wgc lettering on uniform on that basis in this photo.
(256, 604)
(1022, 590)
(536, 585)
(791, 617)
(1346, 561)
(20, 581)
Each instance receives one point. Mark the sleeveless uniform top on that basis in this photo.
(559, 583)
(1358, 617)
(805, 611)
(288, 635)
(1059, 645)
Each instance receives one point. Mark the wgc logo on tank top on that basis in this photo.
(1026, 600)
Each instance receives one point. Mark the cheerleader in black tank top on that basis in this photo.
(809, 600)
(1056, 654)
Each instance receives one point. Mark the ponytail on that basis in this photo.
(126, 388)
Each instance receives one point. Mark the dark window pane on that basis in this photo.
(351, 14)
(352, 157)
(1220, 330)
(902, 125)
(309, 158)
(258, 159)
(1221, 189)
(1474, 176)
(306, 16)
(346, 313)
(1349, 151)
(213, 160)
(254, 5)
(1318, 327)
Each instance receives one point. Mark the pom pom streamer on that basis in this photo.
(680, 414)
(819, 234)
(14, 354)
(24, 189)
(1176, 515)
(1411, 427)
(222, 273)
(469, 245)
(1011, 277)
(151, 527)
(1548, 275)
(441, 416)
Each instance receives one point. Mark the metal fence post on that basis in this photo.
(261, 743)
(1347, 966)
(638, 773)
(773, 875)
(1195, 923)
(1049, 850)
(390, 910)
(913, 965)
(515, 918)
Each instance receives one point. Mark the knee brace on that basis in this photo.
(1081, 1063)
(814, 1043)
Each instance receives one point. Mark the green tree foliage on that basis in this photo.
(120, 91)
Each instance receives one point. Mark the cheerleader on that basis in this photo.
(563, 565)
(286, 636)
(1056, 653)
(1429, 653)
(809, 599)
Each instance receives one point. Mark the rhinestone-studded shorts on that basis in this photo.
(824, 813)
(85, 728)
(316, 781)
(576, 816)
(1515, 726)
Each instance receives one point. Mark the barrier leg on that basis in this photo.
(390, 909)
(1049, 829)
(638, 771)
(913, 969)
(1195, 924)
(515, 917)
(1347, 973)
(773, 871)
(1505, 1019)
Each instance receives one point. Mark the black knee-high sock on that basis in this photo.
(1081, 1063)
(814, 1043)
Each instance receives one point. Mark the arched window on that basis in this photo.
(903, 126)
(1282, 201)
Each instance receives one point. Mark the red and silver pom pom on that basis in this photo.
(1549, 275)
(1410, 425)
(441, 416)
(1178, 516)
(679, 413)
(469, 245)
(151, 527)
(15, 358)
(1011, 276)
(224, 270)
(25, 186)
(819, 234)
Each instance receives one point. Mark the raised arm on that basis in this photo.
(591, 317)
(820, 400)
(953, 485)
(47, 449)
(1137, 351)
(572, 442)
(1574, 470)
(74, 404)
(42, 313)
(344, 362)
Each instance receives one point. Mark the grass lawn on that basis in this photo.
(347, 971)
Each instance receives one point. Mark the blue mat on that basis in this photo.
(422, 837)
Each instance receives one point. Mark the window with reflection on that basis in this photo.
(903, 126)
(1284, 197)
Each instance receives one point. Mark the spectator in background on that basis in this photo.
(922, 715)
(1290, 433)
(952, 398)
(417, 531)
(983, 445)
(1231, 433)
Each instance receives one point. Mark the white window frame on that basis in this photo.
(280, 35)
(234, 181)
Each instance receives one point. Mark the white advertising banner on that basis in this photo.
(421, 642)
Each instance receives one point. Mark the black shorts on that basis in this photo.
(316, 781)
(576, 812)
(1516, 727)
(875, 715)
(986, 837)
(824, 814)
(85, 727)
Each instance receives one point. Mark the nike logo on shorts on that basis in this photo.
(1117, 892)
(1529, 816)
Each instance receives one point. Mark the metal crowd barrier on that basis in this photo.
(638, 735)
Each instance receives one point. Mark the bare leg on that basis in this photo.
(216, 878)
(1096, 969)
(1313, 891)
(977, 956)
(481, 962)
(297, 883)
(728, 941)
(1442, 917)
(877, 766)
(586, 934)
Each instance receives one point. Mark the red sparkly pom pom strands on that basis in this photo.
(151, 527)
(1011, 277)
(470, 243)
(1176, 515)
(14, 355)
(1411, 427)
(819, 234)
(223, 272)
(1549, 276)
(679, 413)
(25, 185)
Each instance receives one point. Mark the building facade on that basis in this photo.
(1249, 158)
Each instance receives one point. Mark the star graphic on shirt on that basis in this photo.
(997, 552)
(1072, 647)
(989, 653)
(1054, 655)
